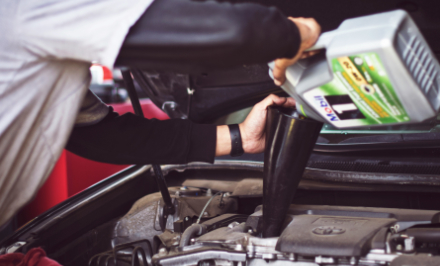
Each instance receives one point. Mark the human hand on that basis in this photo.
(253, 129)
(309, 30)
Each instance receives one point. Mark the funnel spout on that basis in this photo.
(290, 138)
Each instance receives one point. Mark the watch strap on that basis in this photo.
(236, 143)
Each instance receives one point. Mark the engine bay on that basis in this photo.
(208, 229)
(218, 220)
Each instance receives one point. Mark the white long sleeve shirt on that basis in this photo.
(46, 48)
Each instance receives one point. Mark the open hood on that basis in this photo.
(208, 95)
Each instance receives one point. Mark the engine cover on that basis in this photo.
(330, 235)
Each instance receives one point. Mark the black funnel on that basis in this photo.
(290, 138)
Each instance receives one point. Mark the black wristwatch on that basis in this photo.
(236, 143)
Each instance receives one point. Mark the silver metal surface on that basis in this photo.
(378, 258)
(410, 243)
(194, 258)
(12, 248)
(261, 262)
(326, 260)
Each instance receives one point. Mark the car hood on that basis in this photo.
(207, 95)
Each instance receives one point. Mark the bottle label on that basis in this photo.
(359, 94)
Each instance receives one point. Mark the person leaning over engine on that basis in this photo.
(48, 46)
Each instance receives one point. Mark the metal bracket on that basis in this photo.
(168, 208)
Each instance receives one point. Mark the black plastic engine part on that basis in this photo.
(424, 235)
(290, 139)
(330, 235)
(373, 238)
(379, 239)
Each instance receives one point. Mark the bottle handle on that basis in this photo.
(323, 41)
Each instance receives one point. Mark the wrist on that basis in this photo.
(223, 142)
(244, 138)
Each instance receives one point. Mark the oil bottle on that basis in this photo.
(373, 70)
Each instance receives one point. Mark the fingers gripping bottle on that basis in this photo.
(374, 70)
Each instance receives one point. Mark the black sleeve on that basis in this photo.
(131, 139)
(183, 33)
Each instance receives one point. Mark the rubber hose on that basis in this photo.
(190, 232)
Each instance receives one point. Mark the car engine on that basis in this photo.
(207, 229)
